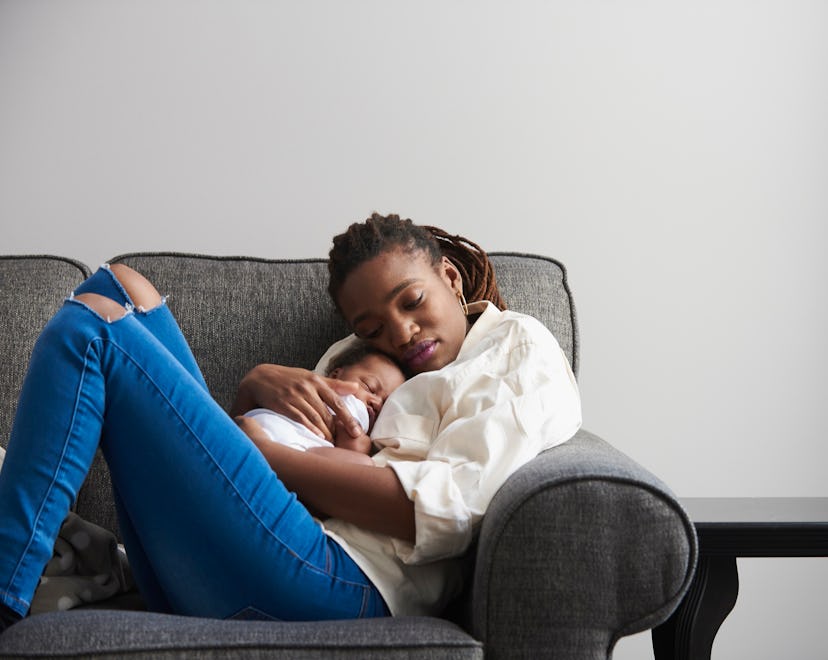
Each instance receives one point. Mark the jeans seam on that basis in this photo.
(365, 593)
(7, 596)
(58, 469)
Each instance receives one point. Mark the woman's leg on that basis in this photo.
(220, 531)
(132, 290)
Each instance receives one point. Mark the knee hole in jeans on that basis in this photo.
(140, 290)
(105, 307)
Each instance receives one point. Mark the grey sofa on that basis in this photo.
(579, 548)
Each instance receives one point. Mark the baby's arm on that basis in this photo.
(252, 429)
(345, 440)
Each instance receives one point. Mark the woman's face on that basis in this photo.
(402, 305)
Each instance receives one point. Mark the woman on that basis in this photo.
(210, 520)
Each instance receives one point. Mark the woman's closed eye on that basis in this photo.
(371, 333)
(412, 304)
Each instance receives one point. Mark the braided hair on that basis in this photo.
(365, 240)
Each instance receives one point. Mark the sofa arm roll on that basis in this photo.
(580, 547)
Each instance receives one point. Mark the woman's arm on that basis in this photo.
(367, 496)
(299, 394)
(252, 429)
(342, 454)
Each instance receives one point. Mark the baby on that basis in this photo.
(377, 375)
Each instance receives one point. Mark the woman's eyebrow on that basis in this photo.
(388, 298)
(402, 285)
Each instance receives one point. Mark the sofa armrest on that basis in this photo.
(580, 547)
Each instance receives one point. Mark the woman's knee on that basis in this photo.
(105, 307)
(142, 292)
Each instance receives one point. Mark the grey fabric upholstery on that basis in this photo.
(143, 635)
(580, 547)
(31, 289)
(559, 536)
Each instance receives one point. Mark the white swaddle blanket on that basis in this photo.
(287, 432)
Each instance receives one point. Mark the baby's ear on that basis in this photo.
(335, 373)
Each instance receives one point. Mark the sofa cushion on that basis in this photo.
(31, 290)
(138, 635)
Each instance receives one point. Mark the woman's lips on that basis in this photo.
(419, 354)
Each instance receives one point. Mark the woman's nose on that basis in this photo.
(403, 330)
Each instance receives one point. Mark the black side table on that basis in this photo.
(728, 528)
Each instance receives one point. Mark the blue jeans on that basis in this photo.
(209, 528)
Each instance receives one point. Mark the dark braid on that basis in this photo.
(478, 274)
(365, 240)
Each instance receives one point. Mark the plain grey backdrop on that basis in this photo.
(674, 155)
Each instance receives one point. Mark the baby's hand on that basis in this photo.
(345, 440)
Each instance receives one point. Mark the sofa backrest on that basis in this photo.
(239, 312)
(32, 288)
(235, 313)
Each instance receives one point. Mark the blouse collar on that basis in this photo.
(488, 319)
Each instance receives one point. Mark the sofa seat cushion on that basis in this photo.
(149, 635)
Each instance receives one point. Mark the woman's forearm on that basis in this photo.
(368, 496)
(341, 454)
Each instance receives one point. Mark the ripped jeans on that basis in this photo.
(209, 528)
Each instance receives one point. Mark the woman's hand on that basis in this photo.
(299, 394)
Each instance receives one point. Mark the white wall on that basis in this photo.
(673, 155)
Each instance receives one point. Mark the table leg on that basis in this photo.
(689, 633)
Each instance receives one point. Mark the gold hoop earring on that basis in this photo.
(462, 300)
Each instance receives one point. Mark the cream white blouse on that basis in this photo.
(453, 437)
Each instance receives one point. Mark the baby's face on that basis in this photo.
(378, 376)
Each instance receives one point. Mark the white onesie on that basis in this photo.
(293, 434)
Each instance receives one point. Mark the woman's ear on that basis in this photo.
(335, 373)
(451, 275)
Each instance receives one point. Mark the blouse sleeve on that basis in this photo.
(487, 422)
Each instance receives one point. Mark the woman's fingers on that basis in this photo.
(335, 402)
(300, 395)
(319, 423)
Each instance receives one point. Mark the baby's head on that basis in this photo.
(377, 374)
